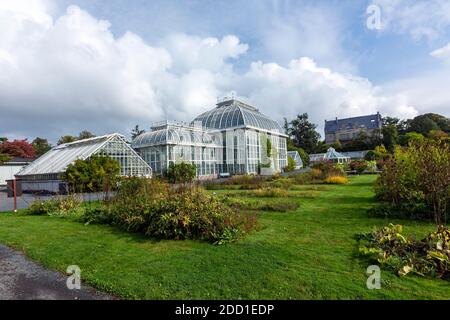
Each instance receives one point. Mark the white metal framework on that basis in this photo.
(54, 163)
(331, 155)
(175, 142)
(243, 132)
(231, 138)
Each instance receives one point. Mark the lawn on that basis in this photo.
(305, 254)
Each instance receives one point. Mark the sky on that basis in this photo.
(107, 65)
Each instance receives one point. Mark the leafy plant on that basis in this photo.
(418, 175)
(182, 172)
(156, 209)
(97, 173)
(59, 207)
(389, 247)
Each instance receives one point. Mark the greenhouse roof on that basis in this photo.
(330, 155)
(175, 133)
(296, 157)
(233, 113)
(58, 158)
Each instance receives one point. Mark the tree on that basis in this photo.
(422, 124)
(304, 133)
(41, 146)
(97, 173)
(18, 148)
(411, 137)
(390, 136)
(66, 139)
(136, 132)
(4, 158)
(85, 135)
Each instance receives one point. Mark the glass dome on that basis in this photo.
(172, 135)
(233, 113)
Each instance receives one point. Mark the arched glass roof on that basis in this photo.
(172, 135)
(233, 113)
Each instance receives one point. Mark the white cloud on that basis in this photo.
(421, 19)
(60, 76)
(442, 53)
(203, 53)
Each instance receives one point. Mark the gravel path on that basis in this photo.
(22, 279)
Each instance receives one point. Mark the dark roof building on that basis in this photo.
(349, 128)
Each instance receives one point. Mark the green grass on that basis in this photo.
(305, 254)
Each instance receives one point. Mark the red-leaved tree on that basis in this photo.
(18, 148)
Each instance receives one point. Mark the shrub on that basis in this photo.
(418, 175)
(182, 172)
(152, 207)
(60, 206)
(97, 173)
(327, 169)
(291, 165)
(283, 183)
(336, 180)
(359, 166)
(415, 211)
(303, 178)
(389, 247)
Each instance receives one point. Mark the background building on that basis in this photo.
(10, 168)
(172, 142)
(349, 129)
(45, 174)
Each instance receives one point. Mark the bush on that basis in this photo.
(152, 207)
(303, 178)
(336, 180)
(182, 172)
(61, 206)
(414, 211)
(389, 247)
(97, 173)
(325, 169)
(359, 166)
(291, 165)
(283, 183)
(418, 175)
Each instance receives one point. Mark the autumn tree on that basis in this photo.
(18, 148)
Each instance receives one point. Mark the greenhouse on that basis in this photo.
(233, 138)
(297, 159)
(172, 142)
(331, 155)
(46, 173)
(249, 139)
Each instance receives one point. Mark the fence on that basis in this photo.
(12, 198)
